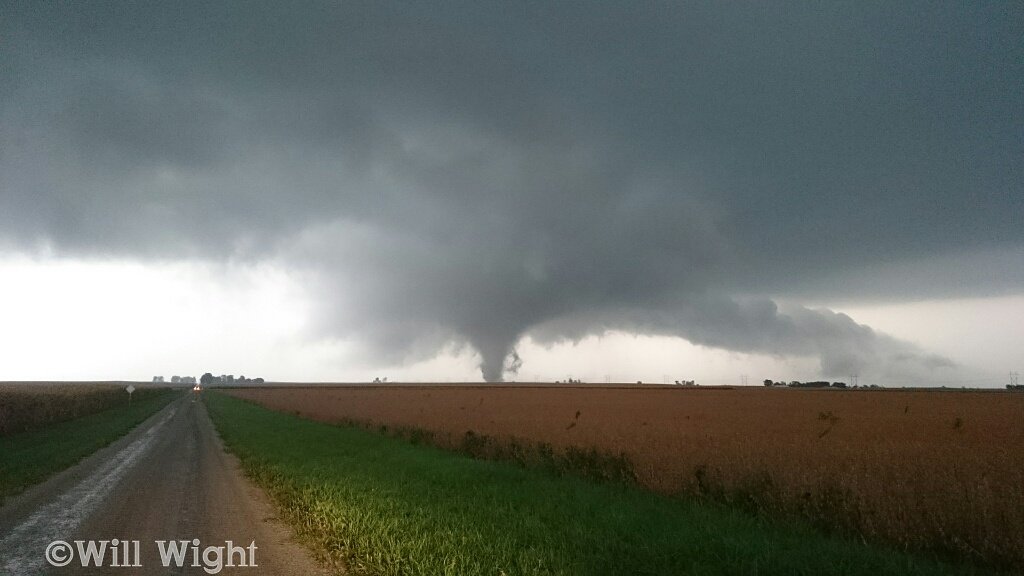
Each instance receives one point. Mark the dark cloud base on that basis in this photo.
(479, 172)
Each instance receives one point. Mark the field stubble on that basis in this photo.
(924, 470)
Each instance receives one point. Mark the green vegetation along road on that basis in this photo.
(167, 480)
(383, 506)
(30, 457)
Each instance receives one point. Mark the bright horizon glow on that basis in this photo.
(70, 319)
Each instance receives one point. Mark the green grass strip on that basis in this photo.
(30, 457)
(386, 507)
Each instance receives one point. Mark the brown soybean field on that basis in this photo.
(937, 470)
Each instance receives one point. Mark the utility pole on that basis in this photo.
(743, 379)
(1014, 378)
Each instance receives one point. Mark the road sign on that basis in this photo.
(130, 389)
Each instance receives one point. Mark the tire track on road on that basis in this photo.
(22, 550)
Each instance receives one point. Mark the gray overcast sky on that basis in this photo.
(439, 173)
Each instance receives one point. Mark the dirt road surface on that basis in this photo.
(170, 481)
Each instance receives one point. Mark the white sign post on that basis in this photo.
(130, 389)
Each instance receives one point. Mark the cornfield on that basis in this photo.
(25, 407)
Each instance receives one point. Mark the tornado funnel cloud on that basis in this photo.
(439, 177)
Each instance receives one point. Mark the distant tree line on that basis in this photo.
(209, 379)
(175, 380)
(815, 384)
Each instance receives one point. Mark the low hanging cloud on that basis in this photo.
(408, 297)
(478, 173)
(411, 298)
(843, 347)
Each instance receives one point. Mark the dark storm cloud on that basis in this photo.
(476, 172)
(843, 346)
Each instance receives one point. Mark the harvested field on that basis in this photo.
(926, 470)
(27, 406)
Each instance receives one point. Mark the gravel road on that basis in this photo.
(169, 480)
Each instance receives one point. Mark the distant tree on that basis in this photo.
(206, 379)
(158, 379)
(175, 379)
(258, 380)
(768, 382)
(814, 384)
